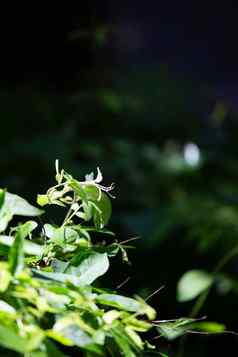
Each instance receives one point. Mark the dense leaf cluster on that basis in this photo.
(50, 301)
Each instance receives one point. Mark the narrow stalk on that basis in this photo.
(69, 214)
(203, 297)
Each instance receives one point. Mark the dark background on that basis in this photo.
(126, 87)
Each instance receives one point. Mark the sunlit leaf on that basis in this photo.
(61, 235)
(15, 205)
(59, 277)
(124, 342)
(76, 186)
(11, 339)
(42, 200)
(30, 248)
(134, 336)
(5, 217)
(5, 307)
(49, 295)
(111, 315)
(16, 254)
(89, 268)
(120, 302)
(5, 276)
(74, 335)
(138, 325)
(19, 206)
(192, 284)
(35, 336)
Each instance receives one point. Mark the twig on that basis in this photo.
(155, 292)
(129, 240)
(123, 283)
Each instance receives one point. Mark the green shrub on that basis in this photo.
(50, 300)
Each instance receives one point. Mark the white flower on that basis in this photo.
(89, 180)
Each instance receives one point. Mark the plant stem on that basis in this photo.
(203, 297)
(69, 214)
(222, 262)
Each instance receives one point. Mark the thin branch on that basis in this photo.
(155, 292)
(129, 240)
(211, 333)
(174, 320)
(123, 283)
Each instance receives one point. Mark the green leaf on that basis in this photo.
(5, 307)
(146, 309)
(11, 340)
(19, 206)
(60, 235)
(76, 336)
(172, 330)
(5, 276)
(208, 326)
(34, 338)
(37, 354)
(42, 200)
(111, 250)
(15, 205)
(59, 266)
(73, 335)
(16, 254)
(120, 302)
(101, 215)
(127, 304)
(5, 217)
(52, 350)
(192, 284)
(110, 316)
(59, 277)
(2, 197)
(126, 345)
(134, 336)
(78, 189)
(90, 266)
(30, 248)
(138, 325)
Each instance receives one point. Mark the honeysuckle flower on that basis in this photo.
(89, 180)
